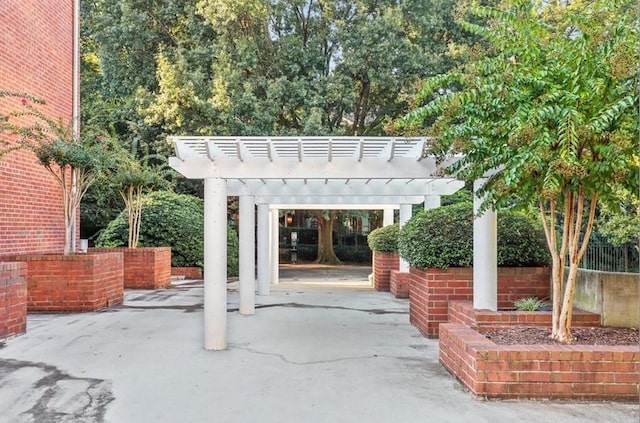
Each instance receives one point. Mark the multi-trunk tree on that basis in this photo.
(549, 114)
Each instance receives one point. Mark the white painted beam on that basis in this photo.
(345, 187)
(264, 273)
(247, 241)
(432, 202)
(215, 265)
(485, 255)
(202, 167)
(343, 202)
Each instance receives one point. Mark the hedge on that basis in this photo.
(443, 237)
(170, 219)
(384, 239)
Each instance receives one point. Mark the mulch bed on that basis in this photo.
(583, 336)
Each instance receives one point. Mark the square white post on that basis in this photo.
(405, 215)
(215, 264)
(431, 202)
(264, 272)
(275, 247)
(247, 251)
(485, 254)
(387, 217)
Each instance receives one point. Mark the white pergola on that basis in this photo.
(312, 173)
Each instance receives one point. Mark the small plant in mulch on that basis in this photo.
(529, 304)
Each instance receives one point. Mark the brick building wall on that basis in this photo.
(36, 57)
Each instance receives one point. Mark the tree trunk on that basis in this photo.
(326, 254)
(574, 242)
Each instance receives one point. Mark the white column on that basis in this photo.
(405, 215)
(387, 217)
(431, 202)
(264, 273)
(275, 247)
(215, 264)
(247, 251)
(485, 255)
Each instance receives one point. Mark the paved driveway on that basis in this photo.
(321, 348)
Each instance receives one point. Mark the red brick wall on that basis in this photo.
(430, 291)
(464, 313)
(579, 372)
(399, 283)
(79, 282)
(187, 272)
(144, 267)
(36, 57)
(13, 299)
(382, 264)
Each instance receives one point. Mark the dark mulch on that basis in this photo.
(584, 336)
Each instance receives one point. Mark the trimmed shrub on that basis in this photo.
(443, 237)
(175, 220)
(384, 239)
(352, 253)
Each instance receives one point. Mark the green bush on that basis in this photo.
(384, 239)
(175, 220)
(352, 253)
(443, 237)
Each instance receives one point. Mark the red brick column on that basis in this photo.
(431, 291)
(13, 299)
(399, 283)
(382, 264)
(144, 267)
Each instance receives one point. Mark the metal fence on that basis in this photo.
(606, 257)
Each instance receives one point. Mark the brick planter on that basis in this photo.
(464, 313)
(399, 283)
(144, 267)
(431, 290)
(73, 283)
(383, 263)
(187, 272)
(577, 372)
(13, 299)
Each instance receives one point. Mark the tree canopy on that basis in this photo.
(548, 115)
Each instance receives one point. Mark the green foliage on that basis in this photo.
(529, 304)
(443, 238)
(174, 220)
(384, 239)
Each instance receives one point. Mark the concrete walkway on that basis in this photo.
(319, 349)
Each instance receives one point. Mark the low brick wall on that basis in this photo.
(383, 263)
(144, 267)
(463, 312)
(431, 290)
(73, 283)
(577, 372)
(13, 299)
(399, 283)
(187, 272)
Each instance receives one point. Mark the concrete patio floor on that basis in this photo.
(324, 347)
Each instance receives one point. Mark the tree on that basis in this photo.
(72, 161)
(249, 67)
(133, 179)
(549, 116)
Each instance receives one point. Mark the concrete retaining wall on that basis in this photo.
(615, 296)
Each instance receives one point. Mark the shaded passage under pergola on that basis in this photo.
(287, 172)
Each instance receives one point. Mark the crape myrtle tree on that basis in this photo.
(549, 114)
(72, 160)
(255, 67)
